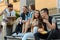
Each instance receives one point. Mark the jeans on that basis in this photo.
(39, 35)
(9, 29)
(30, 34)
(54, 34)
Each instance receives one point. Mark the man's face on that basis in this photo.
(43, 14)
(10, 8)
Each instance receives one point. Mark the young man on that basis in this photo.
(8, 12)
(48, 23)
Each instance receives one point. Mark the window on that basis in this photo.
(14, 0)
(1, 1)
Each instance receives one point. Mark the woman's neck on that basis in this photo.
(36, 19)
(25, 13)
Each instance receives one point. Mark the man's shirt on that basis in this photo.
(7, 13)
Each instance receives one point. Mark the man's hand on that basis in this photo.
(45, 20)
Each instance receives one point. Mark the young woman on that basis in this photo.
(35, 22)
(21, 22)
(31, 11)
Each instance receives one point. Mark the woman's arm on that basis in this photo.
(32, 28)
(23, 28)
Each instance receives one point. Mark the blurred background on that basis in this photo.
(52, 5)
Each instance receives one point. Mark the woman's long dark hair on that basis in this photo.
(32, 6)
(40, 20)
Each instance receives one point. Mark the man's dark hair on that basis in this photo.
(45, 10)
(10, 5)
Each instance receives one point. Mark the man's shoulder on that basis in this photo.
(50, 17)
(13, 11)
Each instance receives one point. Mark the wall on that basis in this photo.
(16, 5)
(50, 4)
(45, 3)
(2, 6)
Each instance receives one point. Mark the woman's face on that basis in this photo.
(24, 9)
(30, 8)
(36, 14)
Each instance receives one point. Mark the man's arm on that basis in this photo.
(14, 13)
(1, 13)
(51, 26)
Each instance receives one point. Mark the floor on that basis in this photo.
(0, 36)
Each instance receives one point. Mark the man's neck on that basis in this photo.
(31, 10)
(47, 17)
(10, 10)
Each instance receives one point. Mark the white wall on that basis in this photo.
(22, 3)
(58, 5)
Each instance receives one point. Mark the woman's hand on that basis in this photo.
(40, 30)
(24, 21)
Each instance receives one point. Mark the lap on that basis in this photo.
(44, 36)
(29, 35)
(55, 34)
